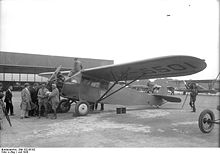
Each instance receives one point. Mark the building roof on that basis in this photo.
(33, 64)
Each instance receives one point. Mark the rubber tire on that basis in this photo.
(84, 106)
(64, 106)
(201, 122)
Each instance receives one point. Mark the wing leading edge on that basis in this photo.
(169, 66)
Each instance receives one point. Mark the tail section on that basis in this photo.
(168, 98)
(163, 94)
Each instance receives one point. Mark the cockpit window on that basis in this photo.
(95, 84)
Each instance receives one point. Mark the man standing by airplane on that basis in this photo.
(77, 66)
(25, 101)
(33, 91)
(42, 99)
(193, 94)
(2, 106)
(8, 100)
(54, 99)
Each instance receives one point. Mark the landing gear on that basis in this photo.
(82, 108)
(206, 121)
(64, 106)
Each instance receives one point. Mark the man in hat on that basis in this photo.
(1, 105)
(193, 94)
(54, 99)
(1, 90)
(42, 99)
(77, 66)
(25, 101)
(1, 109)
(8, 101)
(34, 98)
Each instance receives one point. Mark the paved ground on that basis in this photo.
(168, 126)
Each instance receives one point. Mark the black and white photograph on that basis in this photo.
(118, 74)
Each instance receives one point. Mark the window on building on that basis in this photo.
(23, 77)
(15, 77)
(1, 76)
(8, 77)
(30, 77)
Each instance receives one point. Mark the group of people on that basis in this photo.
(4, 109)
(32, 100)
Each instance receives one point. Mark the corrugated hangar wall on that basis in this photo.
(33, 63)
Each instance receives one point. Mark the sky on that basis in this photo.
(119, 30)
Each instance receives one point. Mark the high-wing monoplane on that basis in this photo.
(100, 84)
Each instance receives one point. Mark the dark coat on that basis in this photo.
(1, 94)
(8, 96)
(33, 92)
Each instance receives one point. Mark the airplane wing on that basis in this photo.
(169, 66)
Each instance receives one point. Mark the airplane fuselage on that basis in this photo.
(92, 91)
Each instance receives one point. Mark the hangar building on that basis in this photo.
(18, 68)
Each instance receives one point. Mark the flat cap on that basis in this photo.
(26, 84)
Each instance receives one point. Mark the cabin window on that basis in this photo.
(86, 82)
(104, 85)
(95, 84)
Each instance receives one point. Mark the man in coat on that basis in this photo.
(54, 99)
(193, 94)
(25, 101)
(34, 98)
(42, 99)
(8, 101)
(1, 106)
(77, 66)
(1, 110)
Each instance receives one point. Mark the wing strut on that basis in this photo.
(104, 96)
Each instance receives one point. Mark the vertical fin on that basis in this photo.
(162, 83)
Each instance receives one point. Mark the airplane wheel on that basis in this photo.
(82, 108)
(64, 106)
(205, 121)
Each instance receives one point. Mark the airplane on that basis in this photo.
(101, 84)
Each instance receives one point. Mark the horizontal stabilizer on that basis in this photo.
(168, 98)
